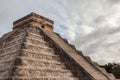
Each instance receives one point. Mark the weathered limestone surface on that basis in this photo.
(32, 51)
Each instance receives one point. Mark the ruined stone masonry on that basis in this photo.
(32, 51)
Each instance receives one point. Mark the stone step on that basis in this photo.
(8, 57)
(13, 46)
(36, 42)
(9, 53)
(10, 48)
(35, 36)
(16, 36)
(29, 44)
(39, 68)
(39, 50)
(43, 52)
(6, 61)
(44, 71)
(39, 78)
(39, 55)
(32, 72)
(44, 64)
(36, 39)
(36, 47)
(28, 60)
(25, 61)
(42, 67)
(51, 68)
(13, 42)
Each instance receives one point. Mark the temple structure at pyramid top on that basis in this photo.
(35, 20)
(32, 51)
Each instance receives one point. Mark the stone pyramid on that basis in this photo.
(32, 51)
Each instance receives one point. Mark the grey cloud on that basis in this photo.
(98, 41)
(101, 42)
(114, 1)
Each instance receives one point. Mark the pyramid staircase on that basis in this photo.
(34, 52)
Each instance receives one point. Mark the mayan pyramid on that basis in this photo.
(32, 51)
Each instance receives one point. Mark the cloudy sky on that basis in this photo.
(93, 26)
